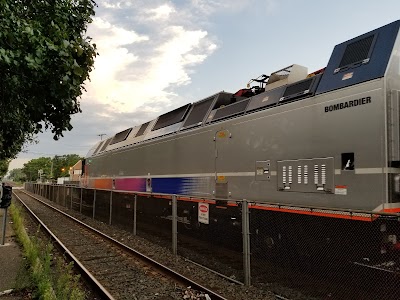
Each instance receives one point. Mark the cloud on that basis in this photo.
(208, 7)
(161, 12)
(138, 68)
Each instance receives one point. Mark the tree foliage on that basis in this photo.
(45, 58)
(50, 168)
(32, 167)
(4, 167)
(61, 164)
(17, 175)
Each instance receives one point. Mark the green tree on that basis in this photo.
(50, 168)
(4, 167)
(61, 164)
(17, 175)
(45, 58)
(32, 167)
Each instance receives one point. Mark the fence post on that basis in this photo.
(94, 203)
(246, 242)
(71, 191)
(134, 214)
(65, 196)
(58, 195)
(174, 225)
(3, 238)
(111, 198)
(80, 204)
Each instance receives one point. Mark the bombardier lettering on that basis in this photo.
(348, 104)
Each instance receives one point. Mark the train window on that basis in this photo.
(142, 129)
(121, 136)
(348, 161)
(105, 145)
(199, 111)
(224, 99)
(172, 117)
(302, 88)
(266, 99)
(98, 147)
(231, 110)
(357, 52)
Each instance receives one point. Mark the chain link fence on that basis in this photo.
(297, 252)
(202, 238)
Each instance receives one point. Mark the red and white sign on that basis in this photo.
(203, 213)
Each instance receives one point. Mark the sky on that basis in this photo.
(155, 56)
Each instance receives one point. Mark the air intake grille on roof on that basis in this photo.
(357, 51)
(105, 145)
(198, 112)
(171, 117)
(142, 129)
(121, 136)
(298, 87)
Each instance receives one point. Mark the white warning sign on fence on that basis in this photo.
(204, 213)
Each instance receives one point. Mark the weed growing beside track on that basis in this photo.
(52, 278)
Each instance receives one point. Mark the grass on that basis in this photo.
(53, 278)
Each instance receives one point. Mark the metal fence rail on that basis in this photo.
(348, 254)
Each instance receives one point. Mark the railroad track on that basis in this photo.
(115, 270)
(225, 262)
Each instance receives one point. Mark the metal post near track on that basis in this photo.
(80, 204)
(3, 237)
(65, 196)
(134, 214)
(94, 203)
(71, 190)
(246, 242)
(111, 198)
(174, 225)
(58, 195)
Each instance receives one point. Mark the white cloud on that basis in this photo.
(161, 12)
(211, 6)
(208, 7)
(175, 55)
(113, 57)
(133, 70)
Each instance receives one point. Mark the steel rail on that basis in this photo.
(171, 273)
(98, 287)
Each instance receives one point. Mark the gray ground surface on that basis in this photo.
(13, 274)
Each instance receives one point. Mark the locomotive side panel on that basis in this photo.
(225, 154)
(304, 130)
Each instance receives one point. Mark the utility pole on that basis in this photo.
(101, 136)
